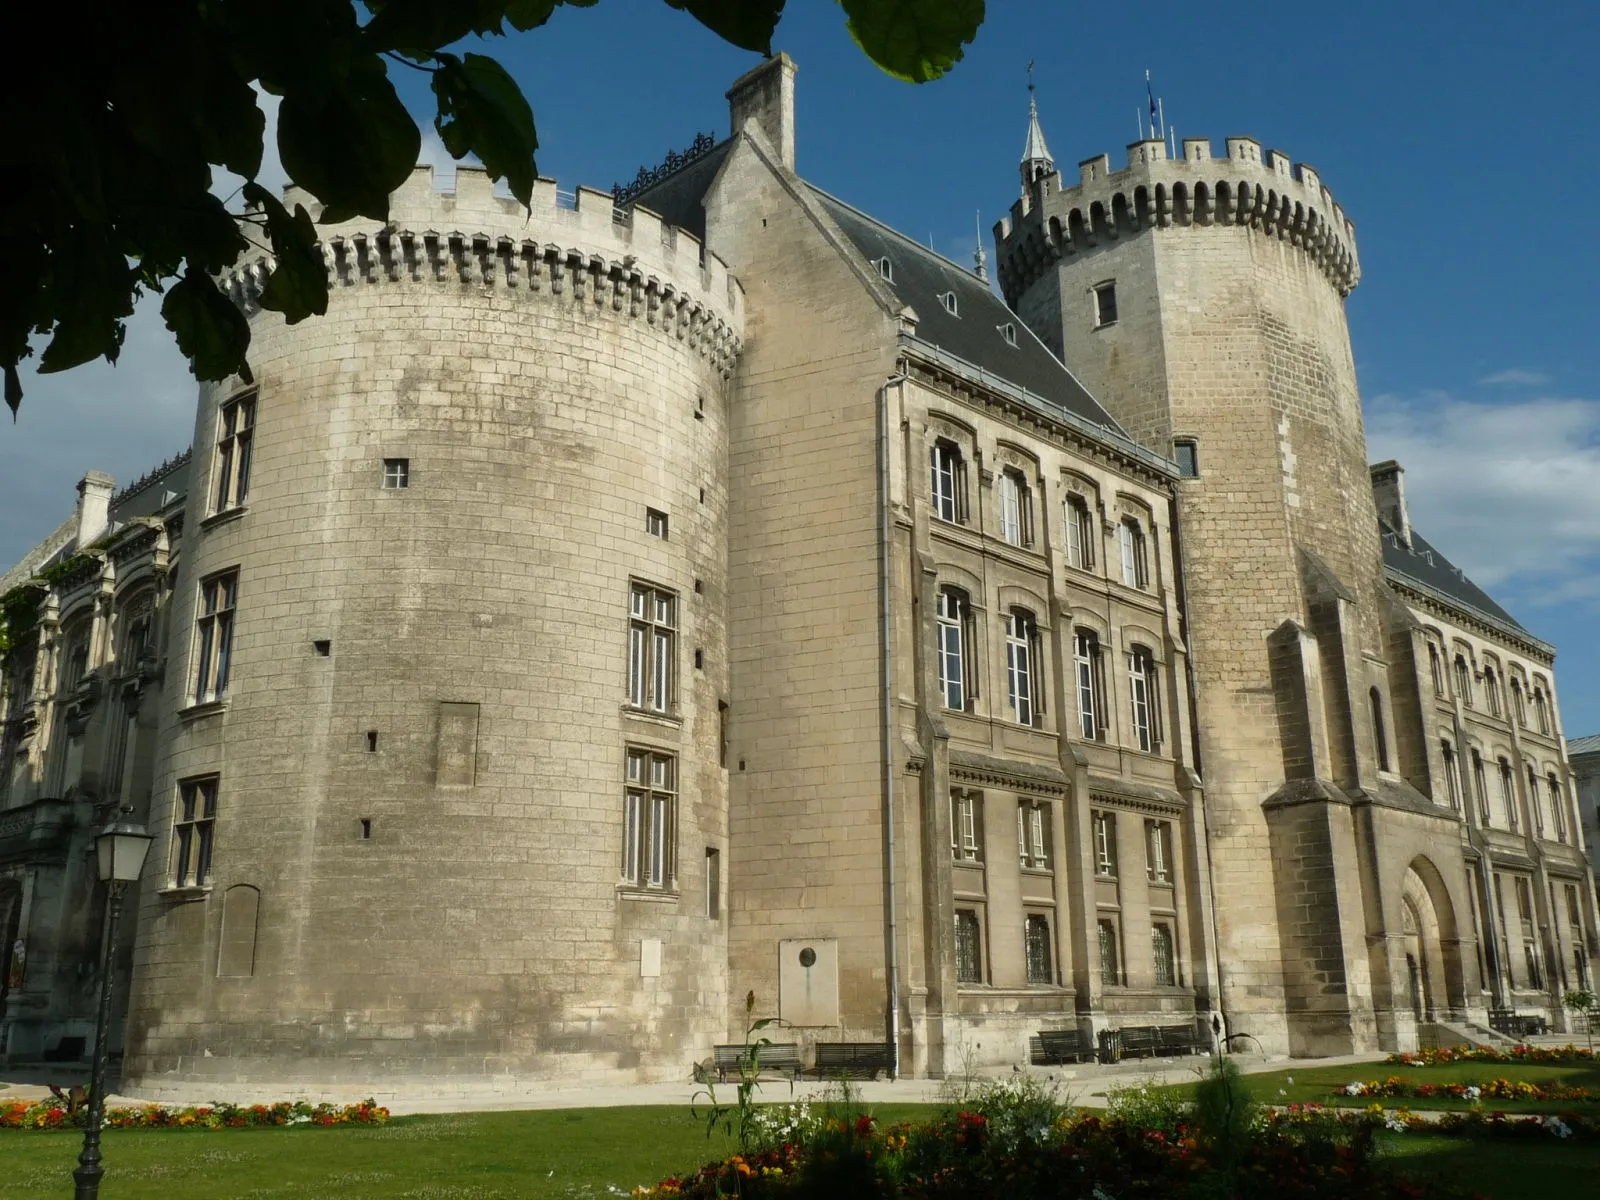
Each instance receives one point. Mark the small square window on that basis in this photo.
(396, 473)
(655, 523)
(1105, 304)
(1187, 453)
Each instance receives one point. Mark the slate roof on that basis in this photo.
(1589, 744)
(1424, 564)
(679, 198)
(973, 333)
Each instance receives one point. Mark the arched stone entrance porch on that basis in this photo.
(1428, 983)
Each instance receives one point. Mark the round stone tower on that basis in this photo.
(1202, 302)
(459, 782)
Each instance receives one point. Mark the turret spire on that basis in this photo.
(1036, 160)
(980, 260)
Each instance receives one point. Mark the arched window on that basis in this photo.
(954, 616)
(1491, 691)
(948, 494)
(1016, 508)
(1021, 675)
(1535, 802)
(1452, 773)
(1080, 534)
(1135, 560)
(1481, 787)
(1508, 792)
(1519, 709)
(1086, 660)
(1380, 742)
(1558, 819)
(1435, 669)
(1142, 679)
(1541, 709)
(1463, 681)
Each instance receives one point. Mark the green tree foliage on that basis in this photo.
(116, 130)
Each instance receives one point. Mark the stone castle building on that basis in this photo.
(610, 611)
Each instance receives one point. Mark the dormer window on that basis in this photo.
(949, 302)
(1009, 332)
(886, 269)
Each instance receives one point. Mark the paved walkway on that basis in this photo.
(1085, 1084)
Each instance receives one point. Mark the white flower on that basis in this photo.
(1355, 1089)
(1290, 1081)
(1394, 1121)
(1473, 1092)
(1558, 1127)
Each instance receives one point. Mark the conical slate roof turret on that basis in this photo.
(1036, 160)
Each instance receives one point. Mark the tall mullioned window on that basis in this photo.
(1103, 825)
(1142, 697)
(953, 618)
(236, 426)
(213, 636)
(1535, 801)
(1033, 835)
(969, 946)
(1016, 508)
(1135, 556)
(652, 642)
(1491, 691)
(966, 826)
(1036, 939)
(1519, 709)
(1110, 953)
(1480, 786)
(649, 819)
(948, 489)
(1558, 818)
(1508, 792)
(1463, 681)
(1541, 710)
(1079, 525)
(1161, 949)
(1435, 669)
(1452, 773)
(1086, 664)
(1022, 693)
(192, 826)
(1158, 851)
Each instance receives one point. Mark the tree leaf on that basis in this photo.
(483, 112)
(88, 293)
(207, 325)
(351, 145)
(426, 25)
(916, 40)
(747, 24)
(530, 14)
(298, 285)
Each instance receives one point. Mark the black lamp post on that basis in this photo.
(120, 848)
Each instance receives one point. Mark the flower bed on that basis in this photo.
(56, 1114)
(1448, 1055)
(1395, 1087)
(1473, 1124)
(966, 1155)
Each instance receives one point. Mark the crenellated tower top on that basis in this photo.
(1259, 190)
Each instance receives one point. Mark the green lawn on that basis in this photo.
(569, 1154)
(475, 1156)
(1301, 1085)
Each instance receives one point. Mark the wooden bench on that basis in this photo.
(853, 1060)
(1138, 1041)
(1177, 1039)
(775, 1056)
(1514, 1024)
(1051, 1046)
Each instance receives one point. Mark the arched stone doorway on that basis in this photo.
(1430, 981)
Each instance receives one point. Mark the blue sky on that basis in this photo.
(1458, 137)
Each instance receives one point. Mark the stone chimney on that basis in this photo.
(94, 506)
(766, 96)
(1389, 490)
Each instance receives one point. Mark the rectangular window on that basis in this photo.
(396, 474)
(1036, 938)
(1142, 696)
(1110, 954)
(947, 482)
(1158, 851)
(969, 946)
(1080, 534)
(1105, 843)
(1086, 660)
(650, 807)
(1105, 303)
(213, 636)
(236, 423)
(1135, 564)
(952, 628)
(1020, 693)
(655, 523)
(1016, 509)
(192, 828)
(1033, 835)
(966, 826)
(1186, 451)
(713, 884)
(652, 647)
(1161, 949)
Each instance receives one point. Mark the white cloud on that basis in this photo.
(1509, 492)
(1516, 377)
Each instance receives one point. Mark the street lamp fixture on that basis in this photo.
(120, 849)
